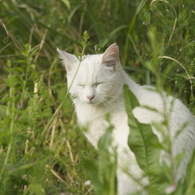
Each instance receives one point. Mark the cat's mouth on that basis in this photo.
(93, 102)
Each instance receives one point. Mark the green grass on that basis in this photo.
(41, 146)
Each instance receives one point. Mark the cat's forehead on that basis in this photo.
(90, 68)
(91, 59)
(91, 63)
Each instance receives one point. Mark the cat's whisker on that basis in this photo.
(110, 106)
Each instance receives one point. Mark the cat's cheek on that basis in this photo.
(83, 98)
(76, 93)
(73, 96)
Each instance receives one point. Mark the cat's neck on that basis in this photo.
(133, 86)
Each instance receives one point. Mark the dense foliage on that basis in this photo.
(42, 150)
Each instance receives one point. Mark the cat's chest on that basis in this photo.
(97, 121)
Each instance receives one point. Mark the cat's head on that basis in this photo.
(96, 79)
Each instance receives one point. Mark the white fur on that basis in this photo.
(101, 78)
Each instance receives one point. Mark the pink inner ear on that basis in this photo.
(111, 55)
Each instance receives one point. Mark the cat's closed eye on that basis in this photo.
(96, 84)
(81, 85)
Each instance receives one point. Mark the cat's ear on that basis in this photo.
(68, 60)
(111, 56)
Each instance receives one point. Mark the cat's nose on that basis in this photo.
(90, 97)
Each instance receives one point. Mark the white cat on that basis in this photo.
(96, 85)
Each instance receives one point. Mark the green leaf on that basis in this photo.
(143, 142)
(67, 3)
(107, 162)
(189, 181)
(103, 173)
(93, 173)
